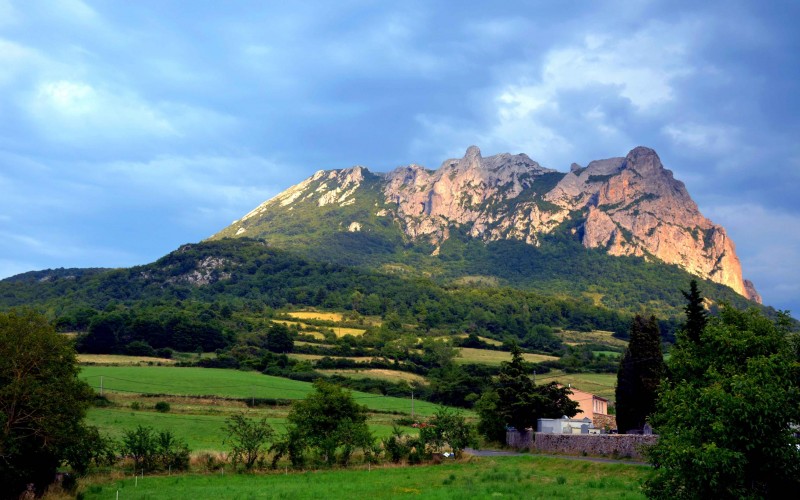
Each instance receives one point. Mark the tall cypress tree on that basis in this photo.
(696, 315)
(639, 376)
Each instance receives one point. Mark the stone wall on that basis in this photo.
(604, 421)
(601, 445)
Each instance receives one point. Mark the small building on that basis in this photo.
(594, 408)
(566, 425)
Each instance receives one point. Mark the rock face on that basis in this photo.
(634, 206)
(626, 206)
(473, 191)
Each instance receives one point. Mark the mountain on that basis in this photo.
(412, 218)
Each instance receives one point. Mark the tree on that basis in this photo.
(696, 315)
(490, 421)
(247, 438)
(279, 339)
(639, 375)
(140, 445)
(725, 417)
(151, 449)
(329, 420)
(448, 427)
(515, 392)
(42, 401)
(519, 402)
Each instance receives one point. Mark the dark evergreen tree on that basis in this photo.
(696, 315)
(279, 339)
(520, 403)
(515, 392)
(639, 376)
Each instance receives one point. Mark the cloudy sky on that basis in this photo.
(129, 128)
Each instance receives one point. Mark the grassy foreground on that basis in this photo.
(515, 477)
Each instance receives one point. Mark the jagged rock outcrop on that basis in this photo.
(635, 206)
(476, 191)
(626, 206)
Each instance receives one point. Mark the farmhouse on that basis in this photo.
(594, 408)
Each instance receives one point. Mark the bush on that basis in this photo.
(139, 348)
(162, 407)
(165, 352)
(448, 427)
(153, 450)
(247, 439)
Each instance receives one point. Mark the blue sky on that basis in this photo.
(129, 128)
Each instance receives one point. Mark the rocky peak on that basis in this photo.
(463, 190)
(628, 205)
(473, 155)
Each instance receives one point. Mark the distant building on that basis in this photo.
(594, 408)
(566, 425)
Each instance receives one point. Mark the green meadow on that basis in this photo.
(531, 477)
(201, 399)
(224, 383)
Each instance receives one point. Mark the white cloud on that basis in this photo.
(533, 109)
(70, 110)
(80, 113)
(717, 139)
(17, 60)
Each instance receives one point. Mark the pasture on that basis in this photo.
(485, 356)
(600, 337)
(599, 384)
(533, 477)
(339, 331)
(223, 383)
(116, 359)
(377, 373)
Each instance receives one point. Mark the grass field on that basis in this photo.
(610, 354)
(222, 383)
(377, 373)
(530, 477)
(485, 356)
(114, 359)
(314, 357)
(340, 331)
(318, 315)
(600, 384)
(202, 431)
(570, 337)
(483, 339)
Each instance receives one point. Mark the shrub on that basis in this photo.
(247, 439)
(162, 407)
(153, 450)
(139, 348)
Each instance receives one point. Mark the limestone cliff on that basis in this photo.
(626, 206)
(634, 206)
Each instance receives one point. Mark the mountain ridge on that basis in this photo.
(625, 206)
